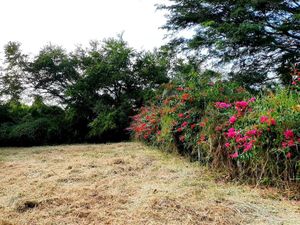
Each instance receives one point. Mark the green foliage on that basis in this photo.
(116, 80)
(38, 124)
(257, 37)
(14, 78)
(103, 122)
(52, 72)
(99, 88)
(221, 124)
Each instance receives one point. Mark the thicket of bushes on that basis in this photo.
(220, 123)
(38, 124)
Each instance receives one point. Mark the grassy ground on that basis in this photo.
(126, 183)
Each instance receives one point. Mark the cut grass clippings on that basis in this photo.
(126, 183)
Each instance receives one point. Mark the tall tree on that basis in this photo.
(52, 72)
(115, 81)
(259, 37)
(13, 78)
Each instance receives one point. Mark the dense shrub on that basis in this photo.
(223, 125)
(38, 124)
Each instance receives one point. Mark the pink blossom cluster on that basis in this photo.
(184, 124)
(241, 106)
(290, 141)
(231, 133)
(296, 77)
(244, 142)
(296, 81)
(268, 120)
(222, 105)
(232, 119)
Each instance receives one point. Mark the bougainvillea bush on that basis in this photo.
(221, 124)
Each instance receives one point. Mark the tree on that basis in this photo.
(95, 91)
(115, 81)
(13, 79)
(259, 37)
(52, 72)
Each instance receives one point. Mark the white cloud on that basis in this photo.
(35, 23)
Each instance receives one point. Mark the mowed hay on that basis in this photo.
(125, 183)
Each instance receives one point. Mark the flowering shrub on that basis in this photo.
(145, 124)
(223, 125)
(296, 78)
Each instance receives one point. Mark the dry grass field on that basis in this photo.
(126, 183)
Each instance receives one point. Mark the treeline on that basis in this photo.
(90, 94)
(87, 95)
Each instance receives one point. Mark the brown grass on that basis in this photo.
(125, 183)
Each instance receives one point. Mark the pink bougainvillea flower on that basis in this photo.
(251, 132)
(294, 83)
(232, 120)
(248, 146)
(182, 138)
(284, 145)
(184, 124)
(264, 119)
(272, 122)
(241, 139)
(193, 126)
(222, 105)
(180, 115)
(291, 143)
(146, 136)
(202, 138)
(180, 89)
(231, 129)
(202, 124)
(231, 133)
(252, 99)
(158, 132)
(288, 134)
(241, 105)
(179, 129)
(234, 155)
(227, 145)
(288, 155)
(185, 97)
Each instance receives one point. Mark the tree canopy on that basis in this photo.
(259, 37)
(95, 91)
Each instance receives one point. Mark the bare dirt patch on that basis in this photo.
(125, 183)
